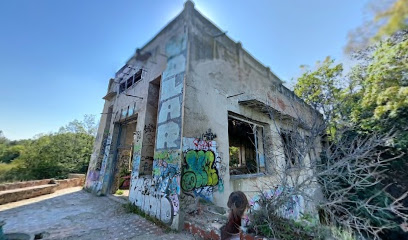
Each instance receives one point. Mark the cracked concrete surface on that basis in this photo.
(75, 214)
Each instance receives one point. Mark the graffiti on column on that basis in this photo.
(159, 195)
(146, 158)
(153, 201)
(104, 145)
(106, 149)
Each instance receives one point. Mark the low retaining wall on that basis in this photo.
(15, 185)
(67, 183)
(11, 192)
(73, 180)
(18, 194)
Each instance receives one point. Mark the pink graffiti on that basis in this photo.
(202, 144)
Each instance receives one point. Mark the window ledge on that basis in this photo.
(243, 176)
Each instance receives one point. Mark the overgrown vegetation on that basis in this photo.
(361, 170)
(119, 192)
(52, 155)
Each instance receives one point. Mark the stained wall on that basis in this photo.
(221, 75)
(193, 78)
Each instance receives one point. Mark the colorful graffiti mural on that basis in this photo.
(200, 170)
(202, 167)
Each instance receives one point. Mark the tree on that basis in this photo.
(3, 139)
(51, 155)
(321, 88)
(387, 18)
(362, 170)
(56, 155)
(88, 126)
(384, 88)
(343, 179)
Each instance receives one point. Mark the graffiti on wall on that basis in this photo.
(106, 150)
(171, 96)
(102, 153)
(147, 151)
(149, 198)
(208, 135)
(202, 169)
(292, 209)
(137, 147)
(158, 195)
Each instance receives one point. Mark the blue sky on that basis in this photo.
(56, 57)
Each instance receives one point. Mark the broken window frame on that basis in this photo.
(129, 82)
(258, 143)
(290, 142)
(122, 87)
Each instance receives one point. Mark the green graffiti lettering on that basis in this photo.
(200, 170)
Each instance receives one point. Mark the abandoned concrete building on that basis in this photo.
(185, 118)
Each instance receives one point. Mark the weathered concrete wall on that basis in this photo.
(156, 166)
(123, 107)
(181, 146)
(220, 68)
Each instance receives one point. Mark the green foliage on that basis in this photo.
(374, 100)
(119, 192)
(386, 19)
(384, 89)
(49, 155)
(342, 234)
(395, 17)
(319, 88)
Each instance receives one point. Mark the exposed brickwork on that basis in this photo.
(198, 231)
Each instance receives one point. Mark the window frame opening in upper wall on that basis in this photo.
(130, 81)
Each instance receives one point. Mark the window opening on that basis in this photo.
(290, 144)
(138, 75)
(122, 87)
(130, 81)
(245, 147)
